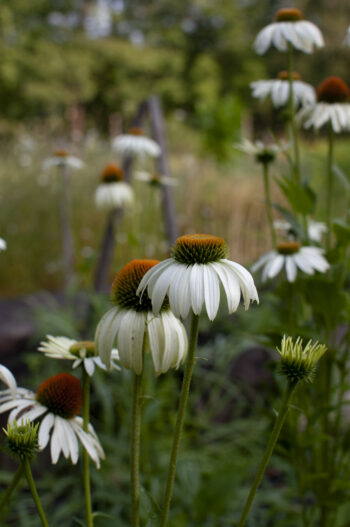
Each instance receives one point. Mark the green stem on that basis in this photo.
(329, 185)
(32, 487)
(282, 414)
(294, 130)
(135, 450)
(86, 460)
(268, 202)
(7, 494)
(180, 417)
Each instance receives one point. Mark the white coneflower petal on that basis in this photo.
(130, 340)
(7, 377)
(45, 430)
(211, 291)
(196, 288)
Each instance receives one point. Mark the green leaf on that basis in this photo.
(342, 231)
(300, 195)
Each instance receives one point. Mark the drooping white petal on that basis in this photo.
(55, 443)
(105, 334)
(211, 291)
(231, 286)
(130, 340)
(291, 268)
(45, 430)
(7, 377)
(71, 440)
(89, 366)
(196, 288)
(275, 265)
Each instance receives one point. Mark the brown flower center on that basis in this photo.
(112, 174)
(199, 248)
(135, 131)
(126, 283)
(333, 90)
(288, 247)
(288, 14)
(60, 153)
(284, 75)
(61, 394)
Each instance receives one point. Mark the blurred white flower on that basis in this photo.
(316, 229)
(80, 352)
(278, 90)
(289, 27)
(113, 191)
(134, 143)
(332, 106)
(3, 245)
(155, 179)
(347, 38)
(62, 158)
(291, 256)
(263, 152)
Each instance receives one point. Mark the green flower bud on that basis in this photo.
(298, 363)
(22, 440)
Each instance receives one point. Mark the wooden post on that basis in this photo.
(158, 129)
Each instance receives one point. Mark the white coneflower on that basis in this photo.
(81, 352)
(135, 143)
(315, 229)
(193, 275)
(278, 90)
(291, 256)
(263, 152)
(332, 106)
(3, 245)
(57, 404)
(156, 180)
(132, 321)
(289, 28)
(62, 158)
(113, 191)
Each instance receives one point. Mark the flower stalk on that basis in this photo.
(329, 184)
(86, 461)
(180, 417)
(32, 487)
(268, 203)
(282, 414)
(135, 449)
